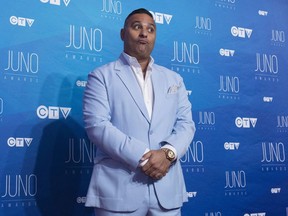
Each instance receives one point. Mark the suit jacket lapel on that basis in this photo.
(159, 93)
(126, 75)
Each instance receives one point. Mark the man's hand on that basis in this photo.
(157, 165)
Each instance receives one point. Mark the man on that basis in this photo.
(138, 115)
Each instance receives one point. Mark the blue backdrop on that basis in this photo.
(232, 55)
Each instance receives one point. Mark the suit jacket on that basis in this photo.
(117, 122)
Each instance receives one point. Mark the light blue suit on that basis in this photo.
(117, 121)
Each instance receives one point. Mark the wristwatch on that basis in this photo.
(170, 155)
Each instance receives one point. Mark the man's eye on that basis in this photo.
(151, 30)
(136, 27)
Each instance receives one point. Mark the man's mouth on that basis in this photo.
(143, 41)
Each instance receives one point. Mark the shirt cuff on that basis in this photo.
(142, 163)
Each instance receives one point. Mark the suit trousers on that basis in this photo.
(150, 207)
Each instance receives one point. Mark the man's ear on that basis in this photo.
(122, 34)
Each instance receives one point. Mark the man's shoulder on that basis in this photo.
(166, 71)
(108, 67)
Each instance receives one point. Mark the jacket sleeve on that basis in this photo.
(100, 130)
(184, 127)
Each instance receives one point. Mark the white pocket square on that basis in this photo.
(173, 89)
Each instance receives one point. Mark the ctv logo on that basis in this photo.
(255, 214)
(19, 142)
(21, 21)
(191, 194)
(245, 122)
(80, 200)
(56, 2)
(81, 83)
(161, 17)
(226, 52)
(52, 112)
(231, 145)
(268, 99)
(275, 190)
(213, 213)
(241, 32)
(263, 13)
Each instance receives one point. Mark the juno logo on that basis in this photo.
(112, 6)
(56, 2)
(1, 106)
(19, 186)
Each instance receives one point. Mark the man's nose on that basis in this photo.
(144, 32)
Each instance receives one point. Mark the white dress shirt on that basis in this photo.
(145, 83)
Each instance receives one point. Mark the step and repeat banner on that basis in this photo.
(233, 56)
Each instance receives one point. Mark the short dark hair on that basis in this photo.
(138, 11)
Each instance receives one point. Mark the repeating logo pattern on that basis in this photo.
(232, 56)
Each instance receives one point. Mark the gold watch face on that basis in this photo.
(170, 154)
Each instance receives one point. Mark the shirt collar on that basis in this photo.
(132, 61)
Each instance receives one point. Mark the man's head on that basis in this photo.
(139, 34)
